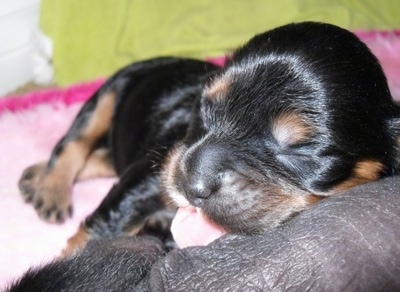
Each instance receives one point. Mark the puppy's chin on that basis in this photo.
(244, 205)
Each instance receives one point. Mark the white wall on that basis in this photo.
(24, 51)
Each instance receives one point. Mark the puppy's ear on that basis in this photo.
(394, 128)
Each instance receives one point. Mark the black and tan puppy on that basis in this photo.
(299, 113)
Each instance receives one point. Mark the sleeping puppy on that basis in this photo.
(299, 113)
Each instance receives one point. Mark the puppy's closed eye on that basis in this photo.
(290, 129)
(297, 158)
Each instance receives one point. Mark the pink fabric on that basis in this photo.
(29, 128)
(26, 138)
(67, 96)
(386, 46)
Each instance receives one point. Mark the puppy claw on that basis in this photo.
(28, 174)
(28, 198)
(26, 190)
(70, 211)
(59, 217)
(54, 214)
(38, 205)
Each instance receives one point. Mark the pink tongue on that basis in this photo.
(190, 228)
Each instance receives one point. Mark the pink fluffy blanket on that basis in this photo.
(31, 125)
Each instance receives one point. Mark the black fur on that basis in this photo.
(346, 243)
(155, 100)
(299, 113)
(249, 178)
(82, 271)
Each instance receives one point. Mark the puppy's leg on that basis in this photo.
(132, 205)
(98, 164)
(48, 185)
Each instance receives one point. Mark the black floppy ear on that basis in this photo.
(394, 130)
(394, 126)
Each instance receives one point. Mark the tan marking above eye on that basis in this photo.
(290, 128)
(218, 89)
(364, 171)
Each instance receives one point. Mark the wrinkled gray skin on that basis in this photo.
(347, 243)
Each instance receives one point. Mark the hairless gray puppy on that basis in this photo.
(346, 243)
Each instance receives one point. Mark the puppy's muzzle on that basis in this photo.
(200, 172)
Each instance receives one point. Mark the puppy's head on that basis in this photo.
(299, 113)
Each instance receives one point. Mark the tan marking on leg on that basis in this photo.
(75, 154)
(97, 165)
(218, 89)
(55, 187)
(54, 192)
(76, 242)
(134, 230)
(101, 119)
(290, 128)
(69, 163)
(364, 171)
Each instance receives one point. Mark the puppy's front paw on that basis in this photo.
(49, 193)
(52, 202)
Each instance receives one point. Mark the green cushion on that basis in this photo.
(93, 38)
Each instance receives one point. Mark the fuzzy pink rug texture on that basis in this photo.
(29, 128)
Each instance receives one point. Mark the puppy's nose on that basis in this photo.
(202, 178)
